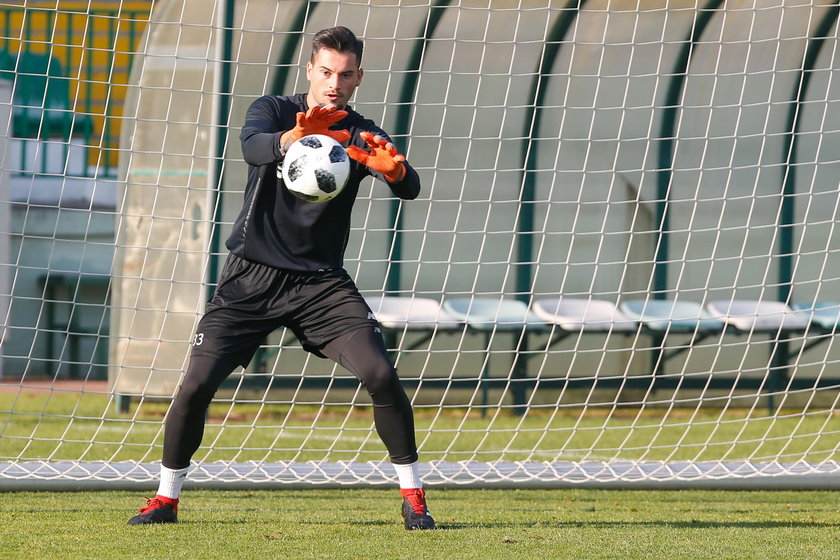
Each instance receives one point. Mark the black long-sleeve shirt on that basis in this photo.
(276, 228)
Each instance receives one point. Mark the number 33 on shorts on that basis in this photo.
(197, 339)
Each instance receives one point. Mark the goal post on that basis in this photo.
(621, 270)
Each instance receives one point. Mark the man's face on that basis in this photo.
(333, 77)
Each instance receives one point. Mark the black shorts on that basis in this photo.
(252, 300)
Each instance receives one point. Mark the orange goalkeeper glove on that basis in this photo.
(382, 157)
(316, 120)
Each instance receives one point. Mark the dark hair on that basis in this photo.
(338, 39)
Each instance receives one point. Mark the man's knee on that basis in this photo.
(194, 394)
(381, 379)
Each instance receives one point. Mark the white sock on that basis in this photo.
(171, 481)
(409, 475)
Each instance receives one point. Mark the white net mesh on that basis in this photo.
(620, 269)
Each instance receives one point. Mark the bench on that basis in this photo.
(63, 288)
(412, 314)
(561, 317)
(489, 316)
(662, 318)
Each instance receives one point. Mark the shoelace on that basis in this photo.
(151, 503)
(417, 501)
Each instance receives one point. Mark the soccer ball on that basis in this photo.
(316, 168)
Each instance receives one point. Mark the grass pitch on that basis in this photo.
(85, 426)
(364, 524)
(474, 524)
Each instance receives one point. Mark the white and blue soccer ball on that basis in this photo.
(316, 168)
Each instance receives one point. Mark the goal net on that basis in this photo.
(622, 269)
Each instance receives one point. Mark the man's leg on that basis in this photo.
(241, 313)
(364, 354)
(182, 435)
(186, 417)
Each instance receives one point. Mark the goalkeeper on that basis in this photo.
(285, 269)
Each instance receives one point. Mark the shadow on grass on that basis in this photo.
(462, 526)
(191, 523)
(453, 526)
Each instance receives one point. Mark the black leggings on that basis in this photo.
(362, 352)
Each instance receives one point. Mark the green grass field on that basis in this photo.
(479, 524)
(70, 426)
(364, 523)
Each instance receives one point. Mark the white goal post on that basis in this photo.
(621, 271)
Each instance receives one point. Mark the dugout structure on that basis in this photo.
(623, 253)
